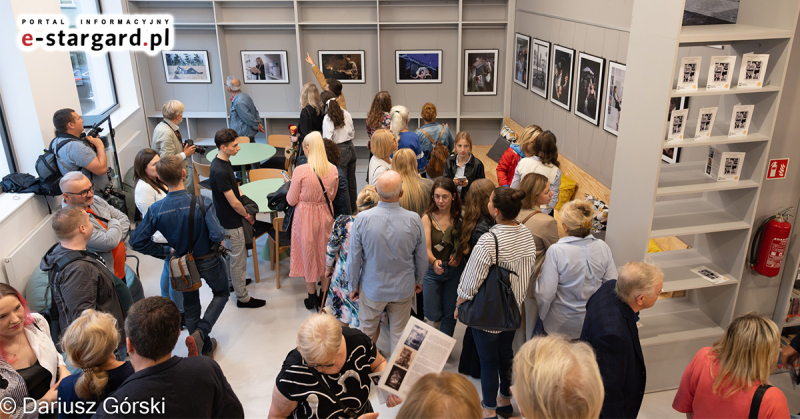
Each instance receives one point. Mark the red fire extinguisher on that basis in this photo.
(769, 244)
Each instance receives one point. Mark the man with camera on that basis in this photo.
(74, 153)
(167, 140)
(171, 216)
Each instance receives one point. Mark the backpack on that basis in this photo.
(439, 155)
(47, 168)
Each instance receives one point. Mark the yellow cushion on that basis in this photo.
(566, 191)
(652, 247)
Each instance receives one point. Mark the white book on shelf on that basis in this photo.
(740, 120)
(724, 165)
(754, 68)
(677, 124)
(705, 122)
(720, 72)
(688, 73)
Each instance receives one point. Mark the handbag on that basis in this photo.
(755, 404)
(493, 308)
(328, 200)
(183, 272)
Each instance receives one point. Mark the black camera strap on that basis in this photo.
(191, 219)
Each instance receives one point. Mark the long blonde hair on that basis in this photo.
(310, 96)
(89, 342)
(746, 353)
(317, 158)
(442, 395)
(399, 115)
(533, 184)
(414, 198)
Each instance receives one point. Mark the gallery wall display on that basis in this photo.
(265, 67)
(480, 74)
(186, 66)
(589, 85)
(540, 63)
(418, 66)
(561, 73)
(521, 59)
(345, 66)
(615, 83)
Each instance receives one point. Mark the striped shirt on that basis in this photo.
(517, 253)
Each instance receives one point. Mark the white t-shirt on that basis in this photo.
(377, 167)
(145, 195)
(339, 135)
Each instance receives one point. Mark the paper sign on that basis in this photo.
(777, 168)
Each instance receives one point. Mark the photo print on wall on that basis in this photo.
(710, 12)
(521, 59)
(265, 67)
(614, 90)
(345, 66)
(589, 85)
(720, 72)
(540, 63)
(480, 76)
(561, 74)
(418, 66)
(186, 66)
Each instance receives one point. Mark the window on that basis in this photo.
(93, 76)
(7, 162)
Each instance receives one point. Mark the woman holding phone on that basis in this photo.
(462, 166)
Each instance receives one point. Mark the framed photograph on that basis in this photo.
(689, 73)
(540, 63)
(671, 155)
(345, 66)
(186, 66)
(480, 73)
(418, 66)
(521, 59)
(615, 83)
(561, 73)
(754, 67)
(590, 86)
(677, 103)
(265, 67)
(705, 122)
(720, 72)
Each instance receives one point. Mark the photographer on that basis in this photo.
(86, 155)
(167, 140)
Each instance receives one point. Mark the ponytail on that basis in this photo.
(399, 115)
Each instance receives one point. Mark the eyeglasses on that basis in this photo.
(83, 193)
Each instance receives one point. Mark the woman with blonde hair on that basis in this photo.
(416, 190)
(312, 191)
(444, 395)
(511, 157)
(338, 299)
(722, 381)
(555, 378)
(406, 139)
(90, 342)
(574, 268)
(312, 113)
(383, 145)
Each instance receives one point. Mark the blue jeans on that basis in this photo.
(440, 293)
(166, 288)
(215, 273)
(496, 355)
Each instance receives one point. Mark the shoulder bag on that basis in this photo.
(755, 405)
(494, 307)
(183, 272)
(327, 200)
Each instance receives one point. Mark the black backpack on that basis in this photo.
(47, 168)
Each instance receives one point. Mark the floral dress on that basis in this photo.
(344, 309)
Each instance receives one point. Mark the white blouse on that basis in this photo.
(144, 196)
(377, 167)
(339, 135)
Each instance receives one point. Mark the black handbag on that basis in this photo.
(494, 307)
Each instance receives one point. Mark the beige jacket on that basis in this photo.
(322, 83)
(545, 232)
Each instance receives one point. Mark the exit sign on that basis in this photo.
(777, 168)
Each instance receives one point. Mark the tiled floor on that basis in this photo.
(254, 342)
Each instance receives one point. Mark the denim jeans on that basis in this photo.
(348, 165)
(166, 288)
(440, 293)
(496, 355)
(215, 272)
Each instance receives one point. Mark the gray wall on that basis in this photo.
(583, 26)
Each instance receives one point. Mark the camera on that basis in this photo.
(220, 250)
(197, 148)
(95, 132)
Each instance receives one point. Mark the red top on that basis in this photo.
(695, 396)
(507, 166)
(118, 253)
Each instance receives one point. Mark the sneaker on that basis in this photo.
(210, 353)
(194, 343)
(247, 282)
(505, 411)
(252, 303)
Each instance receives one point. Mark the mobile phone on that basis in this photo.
(285, 175)
(461, 178)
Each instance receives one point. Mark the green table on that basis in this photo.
(250, 153)
(258, 191)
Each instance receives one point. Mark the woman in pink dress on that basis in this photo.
(313, 215)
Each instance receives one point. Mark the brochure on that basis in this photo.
(720, 72)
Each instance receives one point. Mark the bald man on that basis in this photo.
(388, 259)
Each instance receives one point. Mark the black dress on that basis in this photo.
(310, 121)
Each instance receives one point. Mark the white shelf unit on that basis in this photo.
(655, 199)
(378, 27)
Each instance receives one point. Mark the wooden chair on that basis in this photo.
(200, 169)
(260, 174)
(241, 140)
(276, 237)
(284, 144)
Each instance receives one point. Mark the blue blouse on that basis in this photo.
(67, 395)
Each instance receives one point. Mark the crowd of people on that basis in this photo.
(407, 244)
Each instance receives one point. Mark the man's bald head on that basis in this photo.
(390, 186)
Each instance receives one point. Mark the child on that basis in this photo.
(462, 166)
(541, 156)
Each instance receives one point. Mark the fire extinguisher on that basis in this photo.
(769, 244)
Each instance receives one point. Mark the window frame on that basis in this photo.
(8, 145)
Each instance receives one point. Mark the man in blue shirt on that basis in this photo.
(388, 259)
(170, 216)
(244, 115)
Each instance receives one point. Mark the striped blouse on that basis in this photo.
(517, 253)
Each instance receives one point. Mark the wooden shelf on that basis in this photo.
(692, 216)
(736, 32)
(682, 178)
(677, 265)
(719, 138)
(674, 320)
(734, 90)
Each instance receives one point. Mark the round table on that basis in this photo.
(258, 191)
(250, 153)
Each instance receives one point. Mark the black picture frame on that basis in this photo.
(589, 87)
(522, 57)
(342, 75)
(562, 66)
(402, 62)
(540, 67)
